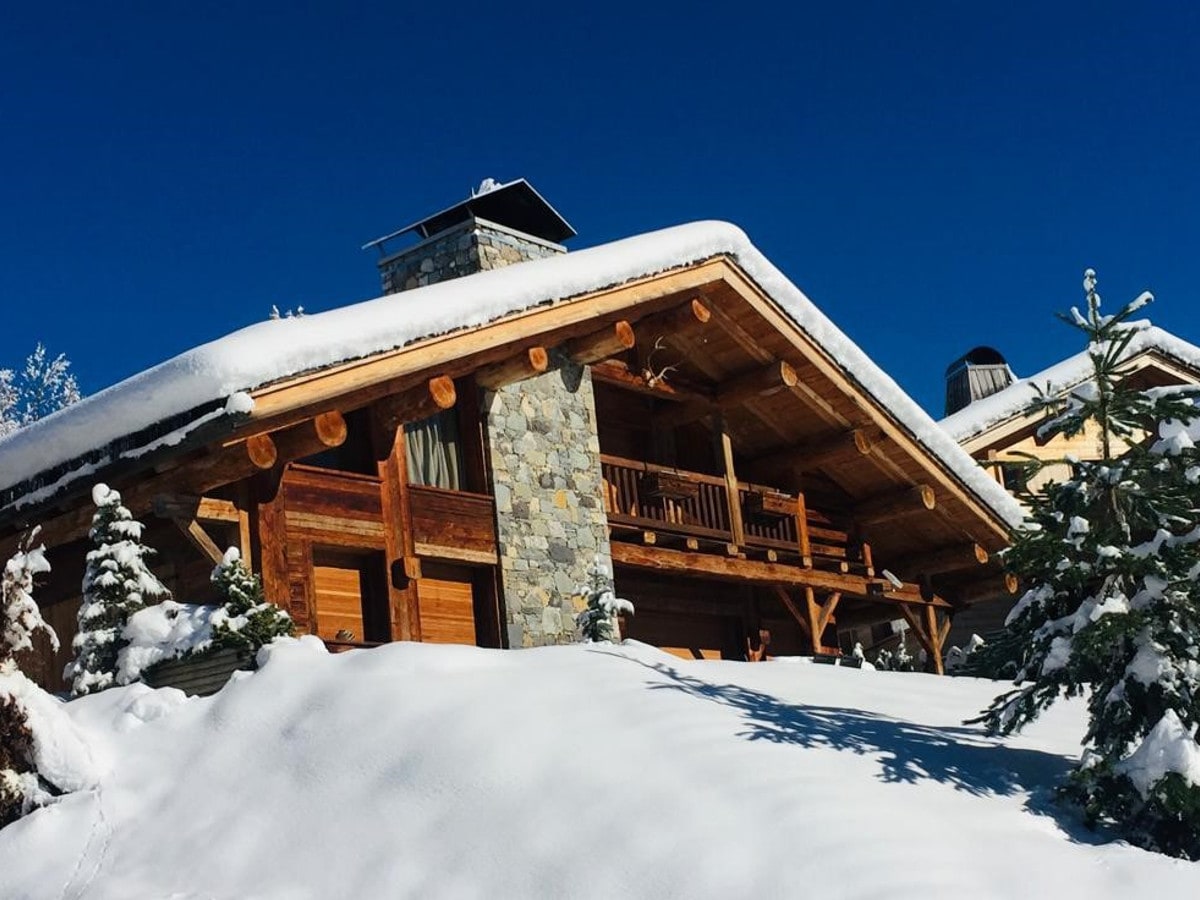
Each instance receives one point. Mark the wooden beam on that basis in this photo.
(803, 540)
(198, 538)
(790, 605)
(682, 318)
(321, 432)
(918, 498)
(723, 568)
(189, 506)
(827, 609)
(848, 445)
(996, 587)
(421, 402)
(812, 614)
(761, 382)
(612, 340)
(618, 374)
(527, 364)
(947, 559)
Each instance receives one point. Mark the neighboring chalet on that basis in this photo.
(996, 417)
(447, 463)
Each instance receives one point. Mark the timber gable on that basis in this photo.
(681, 425)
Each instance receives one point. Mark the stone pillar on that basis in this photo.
(551, 524)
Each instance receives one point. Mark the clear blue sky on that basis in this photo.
(934, 176)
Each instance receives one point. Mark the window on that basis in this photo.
(434, 451)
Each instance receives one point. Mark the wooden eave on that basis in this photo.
(748, 330)
(1149, 364)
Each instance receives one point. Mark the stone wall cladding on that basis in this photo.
(465, 249)
(551, 525)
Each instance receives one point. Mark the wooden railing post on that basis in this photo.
(732, 490)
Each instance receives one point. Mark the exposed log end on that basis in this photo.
(531, 362)
(699, 311)
(1011, 583)
(927, 496)
(862, 441)
(441, 389)
(602, 344)
(261, 450)
(330, 428)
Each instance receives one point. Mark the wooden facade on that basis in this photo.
(754, 491)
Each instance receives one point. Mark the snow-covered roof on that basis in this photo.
(214, 376)
(1058, 379)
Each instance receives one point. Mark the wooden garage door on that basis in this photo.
(447, 602)
(349, 598)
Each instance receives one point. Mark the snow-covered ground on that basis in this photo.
(586, 771)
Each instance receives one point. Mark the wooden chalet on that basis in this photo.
(996, 417)
(446, 463)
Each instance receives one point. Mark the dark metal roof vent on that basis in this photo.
(976, 375)
(514, 205)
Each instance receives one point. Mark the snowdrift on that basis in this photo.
(587, 771)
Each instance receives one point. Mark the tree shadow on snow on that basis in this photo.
(962, 757)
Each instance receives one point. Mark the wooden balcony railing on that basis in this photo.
(642, 495)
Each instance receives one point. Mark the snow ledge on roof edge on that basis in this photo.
(271, 350)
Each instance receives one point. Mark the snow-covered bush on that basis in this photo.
(41, 387)
(1111, 558)
(20, 618)
(170, 630)
(958, 658)
(899, 660)
(598, 622)
(116, 584)
(248, 620)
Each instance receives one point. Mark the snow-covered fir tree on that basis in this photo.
(20, 620)
(1111, 558)
(41, 387)
(248, 621)
(116, 583)
(598, 622)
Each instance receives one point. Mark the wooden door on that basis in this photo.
(446, 598)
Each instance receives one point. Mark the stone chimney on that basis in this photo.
(498, 225)
(976, 375)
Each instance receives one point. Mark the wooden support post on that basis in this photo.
(929, 632)
(803, 542)
(918, 498)
(812, 613)
(271, 523)
(733, 493)
(611, 340)
(527, 364)
(947, 559)
(421, 402)
(388, 439)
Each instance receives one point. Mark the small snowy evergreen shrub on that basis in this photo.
(20, 618)
(116, 584)
(22, 785)
(599, 621)
(1112, 611)
(958, 658)
(248, 621)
